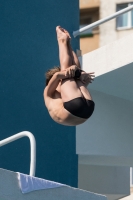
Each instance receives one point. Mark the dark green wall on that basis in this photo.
(28, 47)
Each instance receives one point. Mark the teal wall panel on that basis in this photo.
(28, 48)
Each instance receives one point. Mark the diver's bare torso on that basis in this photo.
(58, 113)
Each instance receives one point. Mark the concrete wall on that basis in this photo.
(28, 48)
(108, 32)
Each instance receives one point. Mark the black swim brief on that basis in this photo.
(80, 107)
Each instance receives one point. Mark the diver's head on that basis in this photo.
(50, 73)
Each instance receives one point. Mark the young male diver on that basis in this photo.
(66, 95)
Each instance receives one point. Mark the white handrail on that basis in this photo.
(101, 21)
(32, 146)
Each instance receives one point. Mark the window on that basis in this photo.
(124, 21)
(84, 21)
(131, 176)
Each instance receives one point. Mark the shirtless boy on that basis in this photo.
(66, 95)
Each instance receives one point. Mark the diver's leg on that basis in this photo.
(69, 88)
(85, 92)
(75, 60)
(64, 54)
(73, 55)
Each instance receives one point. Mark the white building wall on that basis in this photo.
(106, 139)
(109, 132)
(108, 32)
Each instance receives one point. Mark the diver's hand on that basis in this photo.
(87, 78)
(70, 72)
(60, 75)
(67, 73)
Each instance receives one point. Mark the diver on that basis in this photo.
(66, 95)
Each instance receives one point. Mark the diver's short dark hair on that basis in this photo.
(50, 73)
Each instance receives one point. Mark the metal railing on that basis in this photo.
(32, 146)
(101, 21)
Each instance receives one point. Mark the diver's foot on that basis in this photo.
(69, 37)
(67, 33)
(61, 35)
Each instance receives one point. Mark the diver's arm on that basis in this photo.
(53, 83)
(57, 77)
